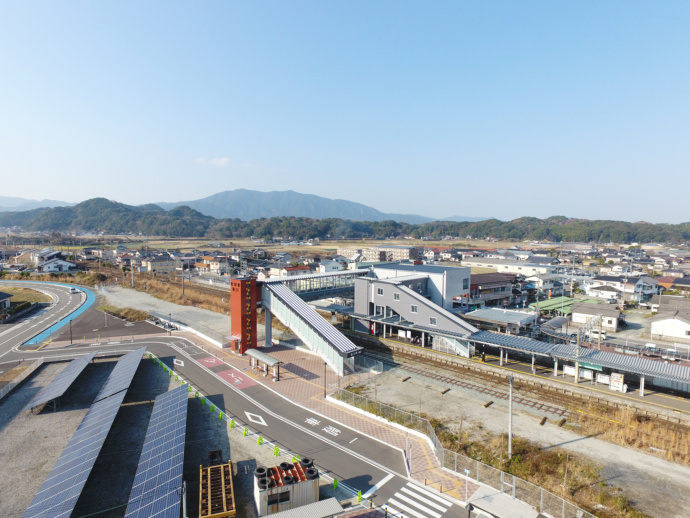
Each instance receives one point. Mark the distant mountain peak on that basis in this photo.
(246, 204)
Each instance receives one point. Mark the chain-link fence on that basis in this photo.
(520, 489)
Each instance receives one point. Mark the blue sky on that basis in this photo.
(501, 109)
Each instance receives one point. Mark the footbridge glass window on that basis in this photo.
(414, 308)
(432, 321)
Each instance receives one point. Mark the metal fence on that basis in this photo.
(537, 497)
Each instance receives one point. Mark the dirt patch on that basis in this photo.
(14, 372)
(463, 414)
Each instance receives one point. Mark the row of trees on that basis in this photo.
(111, 217)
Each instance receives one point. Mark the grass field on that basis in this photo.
(25, 295)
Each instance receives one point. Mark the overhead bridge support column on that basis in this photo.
(501, 358)
(555, 367)
(641, 386)
(269, 323)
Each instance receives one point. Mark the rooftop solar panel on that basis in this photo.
(122, 374)
(157, 484)
(60, 491)
(62, 381)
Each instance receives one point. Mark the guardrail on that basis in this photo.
(466, 467)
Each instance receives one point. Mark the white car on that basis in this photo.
(74, 290)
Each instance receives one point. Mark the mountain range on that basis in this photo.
(247, 205)
(12, 204)
(100, 215)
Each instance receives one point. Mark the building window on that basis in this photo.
(396, 296)
(465, 284)
(379, 291)
(413, 308)
(432, 321)
(687, 333)
(278, 498)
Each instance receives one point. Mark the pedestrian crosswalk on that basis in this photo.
(413, 501)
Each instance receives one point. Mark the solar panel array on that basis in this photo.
(157, 485)
(60, 491)
(122, 374)
(335, 338)
(62, 381)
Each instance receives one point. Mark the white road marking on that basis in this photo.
(353, 440)
(428, 493)
(256, 418)
(422, 499)
(178, 362)
(413, 512)
(378, 485)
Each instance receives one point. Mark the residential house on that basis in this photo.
(672, 323)
(583, 312)
(548, 284)
(291, 271)
(5, 301)
(491, 289)
(158, 265)
(329, 266)
(55, 266)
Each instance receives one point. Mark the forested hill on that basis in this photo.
(101, 215)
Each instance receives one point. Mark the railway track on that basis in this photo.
(456, 376)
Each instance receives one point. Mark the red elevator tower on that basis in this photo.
(243, 314)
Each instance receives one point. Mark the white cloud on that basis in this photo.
(221, 162)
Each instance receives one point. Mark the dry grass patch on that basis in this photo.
(25, 295)
(571, 476)
(626, 427)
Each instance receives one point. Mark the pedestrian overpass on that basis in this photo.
(321, 285)
(319, 335)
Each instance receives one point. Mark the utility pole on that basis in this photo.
(106, 318)
(324, 379)
(132, 268)
(70, 331)
(600, 325)
(510, 418)
(183, 285)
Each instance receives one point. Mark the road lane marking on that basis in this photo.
(353, 440)
(378, 485)
(256, 418)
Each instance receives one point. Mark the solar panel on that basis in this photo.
(60, 491)
(122, 374)
(158, 482)
(62, 381)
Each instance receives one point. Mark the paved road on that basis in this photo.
(63, 304)
(360, 462)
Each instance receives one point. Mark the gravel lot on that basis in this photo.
(634, 472)
(30, 444)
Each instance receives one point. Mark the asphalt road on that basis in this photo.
(15, 334)
(360, 462)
